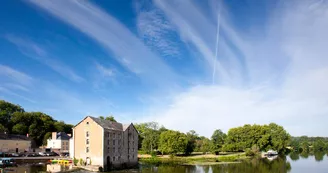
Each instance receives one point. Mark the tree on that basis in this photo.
(319, 145)
(21, 129)
(266, 137)
(218, 139)
(3, 129)
(6, 111)
(111, 118)
(191, 145)
(206, 145)
(149, 135)
(172, 142)
(305, 147)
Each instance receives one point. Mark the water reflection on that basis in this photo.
(319, 156)
(279, 165)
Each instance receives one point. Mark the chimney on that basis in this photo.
(54, 135)
(70, 135)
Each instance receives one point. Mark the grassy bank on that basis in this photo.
(207, 159)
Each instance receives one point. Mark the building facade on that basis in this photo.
(105, 143)
(59, 142)
(15, 143)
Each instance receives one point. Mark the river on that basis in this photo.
(293, 163)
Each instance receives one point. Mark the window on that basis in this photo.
(114, 158)
(87, 149)
(108, 142)
(132, 149)
(87, 123)
(113, 142)
(108, 134)
(114, 150)
(87, 133)
(114, 135)
(87, 141)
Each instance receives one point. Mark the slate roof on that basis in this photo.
(106, 124)
(62, 136)
(4, 136)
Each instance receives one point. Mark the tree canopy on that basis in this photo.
(15, 120)
(172, 142)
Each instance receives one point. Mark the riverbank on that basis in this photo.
(196, 159)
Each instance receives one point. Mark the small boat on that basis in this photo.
(271, 153)
(7, 162)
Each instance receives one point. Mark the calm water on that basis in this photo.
(293, 163)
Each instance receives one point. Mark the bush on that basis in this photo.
(81, 162)
(254, 151)
(228, 159)
(100, 169)
(75, 161)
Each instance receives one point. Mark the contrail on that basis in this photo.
(217, 42)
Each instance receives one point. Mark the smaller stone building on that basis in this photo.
(105, 143)
(15, 143)
(59, 142)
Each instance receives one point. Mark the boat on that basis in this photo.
(271, 153)
(7, 162)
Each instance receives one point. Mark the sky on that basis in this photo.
(188, 65)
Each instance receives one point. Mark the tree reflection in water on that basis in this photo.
(279, 165)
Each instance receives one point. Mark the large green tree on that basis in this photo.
(218, 139)
(192, 136)
(172, 142)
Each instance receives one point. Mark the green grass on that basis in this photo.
(182, 160)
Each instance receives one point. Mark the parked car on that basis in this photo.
(52, 154)
(14, 154)
(32, 155)
(42, 154)
(64, 154)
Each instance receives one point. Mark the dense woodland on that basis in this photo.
(15, 120)
(156, 139)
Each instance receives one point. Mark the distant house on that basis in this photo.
(15, 143)
(105, 143)
(59, 142)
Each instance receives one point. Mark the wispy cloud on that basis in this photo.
(15, 75)
(113, 35)
(105, 71)
(156, 31)
(289, 65)
(36, 52)
(9, 92)
(16, 87)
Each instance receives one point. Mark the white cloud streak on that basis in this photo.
(36, 52)
(288, 72)
(110, 33)
(15, 76)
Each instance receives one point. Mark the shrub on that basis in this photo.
(75, 161)
(100, 169)
(81, 162)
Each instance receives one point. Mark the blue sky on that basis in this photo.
(201, 65)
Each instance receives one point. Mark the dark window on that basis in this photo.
(87, 149)
(87, 123)
(87, 133)
(87, 141)
(113, 142)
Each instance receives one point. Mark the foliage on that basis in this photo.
(191, 144)
(218, 139)
(172, 142)
(149, 136)
(81, 162)
(266, 137)
(319, 145)
(110, 118)
(252, 151)
(15, 120)
(206, 145)
(75, 161)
